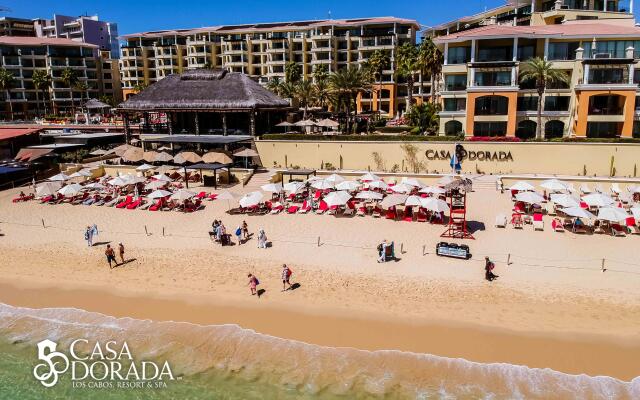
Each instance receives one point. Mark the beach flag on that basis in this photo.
(455, 163)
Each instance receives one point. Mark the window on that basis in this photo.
(604, 129)
(556, 103)
(490, 128)
(606, 105)
(455, 82)
(493, 78)
(454, 104)
(615, 48)
(453, 128)
(492, 105)
(636, 129)
(553, 129)
(526, 52)
(563, 50)
(607, 76)
(503, 53)
(529, 103)
(526, 129)
(458, 55)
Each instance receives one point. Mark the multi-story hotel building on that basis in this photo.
(263, 50)
(595, 42)
(23, 55)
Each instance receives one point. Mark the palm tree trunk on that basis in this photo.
(37, 104)
(432, 90)
(409, 92)
(10, 103)
(73, 103)
(44, 102)
(539, 125)
(380, 97)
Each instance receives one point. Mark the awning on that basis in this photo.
(205, 139)
(28, 154)
(10, 133)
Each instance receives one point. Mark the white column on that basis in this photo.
(533, 6)
(630, 6)
(605, 5)
(446, 53)
(546, 49)
(631, 73)
(586, 74)
(514, 76)
(515, 49)
(473, 50)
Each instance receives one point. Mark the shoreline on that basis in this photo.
(586, 354)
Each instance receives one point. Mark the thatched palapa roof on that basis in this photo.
(204, 89)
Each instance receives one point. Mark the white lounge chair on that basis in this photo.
(501, 221)
(584, 189)
(615, 189)
(598, 188)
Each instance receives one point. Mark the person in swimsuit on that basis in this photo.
(111, 255)
(253, 284)
(286, 275)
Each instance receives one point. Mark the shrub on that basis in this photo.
(493, 139)
(361, 138)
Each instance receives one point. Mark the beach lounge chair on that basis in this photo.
(103, 200)
(516, 221)
(276, 209)
(550, 208)
(134, 204)
(362, 211)
(212, 196)
(201, 195)
(46, 199)
(390, 214)
(615, 189)
(377, 212)
(23, 198)
(112, 202)
(556, 225)
(421, 216)
(584, 189)
(632, 226)
(618, 230)
(501, 221)
(89, 201)
(128, 200)
(348, 211)
(322, 207)
(538, 223)
(79, 199)
(157, 206)
(292, 209)
(306, 207)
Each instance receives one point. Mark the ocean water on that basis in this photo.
(229, 362)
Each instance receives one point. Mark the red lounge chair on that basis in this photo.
(584, 205)
(618, 230)
(391, 214)
(377, 212)
(133, 205)
(277, 209)
(421, 216)
(80, 199)
(46, 199)
(538, 223)
(125, 203)
(157, 206)
(516, 221)
(322, 207)
(201, 195)
(317, 194)
(408, 214)
(292, 209)
(212, 196)
(23, 198)
(556, 225)
(305, 208)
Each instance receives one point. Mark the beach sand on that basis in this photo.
(552, 307)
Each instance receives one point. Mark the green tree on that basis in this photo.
(378, 62)
(139, 87)
(407, 65)
(345, 86)
(292, 72)
(70, 78)
(320, 73)
(107, 99)
(542, 72)
(425, 116)
(430, 60)
(304, 93)
(82, 87)
(321, 83)
(6, 81)
(274, 85)
(288, 90)
(41, 81)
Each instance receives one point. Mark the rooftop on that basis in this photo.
(41, 41)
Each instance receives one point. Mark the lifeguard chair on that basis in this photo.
(457, 199)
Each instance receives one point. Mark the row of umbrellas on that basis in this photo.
(325, 123)
(136, 154)
(555, 185)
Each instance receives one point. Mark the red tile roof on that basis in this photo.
(567, 30)
(9, 133)
(41, 41)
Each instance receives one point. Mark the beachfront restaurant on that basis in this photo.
(197, 105)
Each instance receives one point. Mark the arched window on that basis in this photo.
(492, 105)
(554, 129)
(453, 128)
(526, 129)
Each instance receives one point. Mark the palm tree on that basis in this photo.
(6, 80)
(139, 87)
(542, 72)
(292, 72)
(430, 60)
(345, 85)
(274, 85)
(41, 81)
(406, 67)
(288, 90)
(70, 78)
(305, 93)
(379, 61)
(82, 87)
(321, 83)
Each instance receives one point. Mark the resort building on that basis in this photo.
(595, 42)
(263, 50)
(22, 55)
(10, 26)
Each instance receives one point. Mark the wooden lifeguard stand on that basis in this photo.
(457, 199)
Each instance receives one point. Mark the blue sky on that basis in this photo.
(143, 15)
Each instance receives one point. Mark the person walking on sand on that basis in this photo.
(121, 251)
(286, 275)
(382, 251)
(245, 230)
(262, 239)
(239, 235)
(111, 256)
(88, 236)
(488, 270)
(253, 284)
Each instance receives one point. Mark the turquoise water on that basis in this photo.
(228, 362)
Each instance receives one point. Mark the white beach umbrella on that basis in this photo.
(633, 189)
(133, 179)
(83, 173)
(338, 198)
(163, 157)
(251, 199)
(323, 184)
(613, 214)
(598, 200)
(432, 190)
(554, 185)
(144, 167)
(118, 181)
(154, 185)
(70, 190)
(445, 180)
(530, 197)
(98, 152)
(369, 195)
(48, 188)
(578, 212)
(565, 200)
(95, 186)
(393, 200)
(636, 212)
(378, 185)
(227, 195)
(272, 187)
(182, 194)
(334, 178)
(412, 182)
(293, 187)
(59, 177)
(314, 179)
(435, 205)
(402, 188)
(348, 185)
(522, 186)
(162, 177)
(368, 177)
(163, 148)
(413, 201)
(158, 194)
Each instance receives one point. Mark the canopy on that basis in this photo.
(327, 123)
(393, 200)
(334, 178)
(529, 197)
(48, 188)
(293, 187)
(612, 214)
(285, 123)
(120, 150)
(432, 189)
(158, 194)
(161, 177)
(597, 200)
(322, 184)
(411, 182)
(402, 188)
(368, 177)
(95, 186)
(578, 212)
(133, 154)
(305, 122)
(522, 186)
(187, 157)
(378, 185)
(445, 180)
(163, 157)
(182, 194)
(251, 199)
(369, 195)
(272, 187)
(338, 198)
(92, 104)
(565, 200)
(554, 185)
(348, 185)
(636, 212)
(144, 167)
(155, 185)
(83, 173)
(413, 201)
(70, 190)
(118, 181)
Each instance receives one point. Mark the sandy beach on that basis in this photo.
(552, 306)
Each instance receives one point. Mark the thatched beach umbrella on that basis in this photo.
(120, 150)
(149, 156)
(133, 154)
(217, 157)
(187, 157)
(59, 177)
(163, 157)
(246, 153)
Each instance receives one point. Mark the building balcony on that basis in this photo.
(276, 62)
(322, 61)
(229, 51)
(197, 54)
(236, 64)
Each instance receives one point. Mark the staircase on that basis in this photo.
(484, 183)
(259, 178)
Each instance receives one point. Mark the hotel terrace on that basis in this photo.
(22, 55)
(263, 50)
(595, 42)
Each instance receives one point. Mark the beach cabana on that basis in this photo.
(298, 172)
(213, 167)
